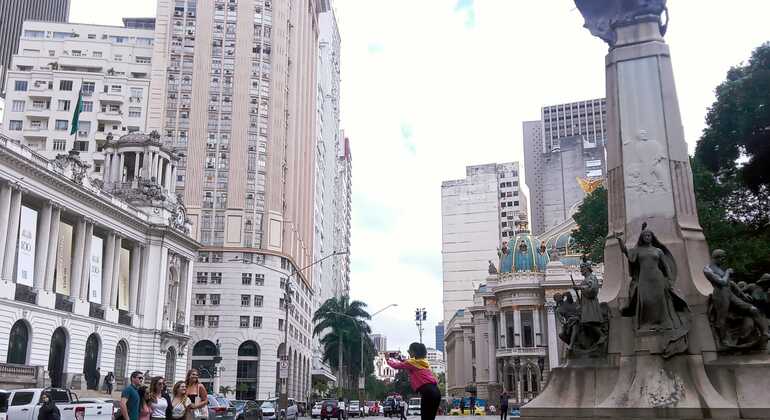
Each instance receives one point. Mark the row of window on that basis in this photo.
(245, 321)
(509, 194)
(509, 184)
(118, 39)
(509, 203)
(88, 88)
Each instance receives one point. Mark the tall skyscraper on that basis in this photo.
(477, 216)
(440, 336)
(110, 65)
(236, 99)
(565, 145)
(380, 342)
(344, 208)
(13, 13)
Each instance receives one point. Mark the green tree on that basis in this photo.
(225, 390)
(441, 377)
(400, 385)
(591, 219)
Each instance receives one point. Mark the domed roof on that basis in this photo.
(523, 250)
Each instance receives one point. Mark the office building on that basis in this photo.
(343, 191)
(436, 360)
(440, 336)
(89, 281)
(236, 98)
(477, 215)
(110, 65)
(13, 13)
(563, 148)
(380, 342)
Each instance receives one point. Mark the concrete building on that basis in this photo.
(565, 145)
(110, 65)
(380, 342)
(13, 13)
(89, 281)
(343, 191)
(436, 360)
(440, 336)
(234, 92)
(383, 371)
(507, 338)
(477, 214)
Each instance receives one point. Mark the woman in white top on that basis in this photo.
(181, 406)
(158, 400)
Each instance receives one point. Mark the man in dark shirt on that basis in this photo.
(129, 398)
(504, 406)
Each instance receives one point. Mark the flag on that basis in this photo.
(76, 114)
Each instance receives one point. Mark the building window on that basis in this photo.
(80, 146)
(116, 89)
(134, 112)
(17, 106)
(245, 300)
(246, 279)
(64, 105)
(214, 299)
(65, 85)
(281, 303)
(143, 60)
(15, 125)
(213, 321)
(96, 54)
(136, 93)
(200, 298)
(257, 323)
(203, 278)
(283, 283)
(280, 325)
(258, 300)
(20, 86)
(118, 57)
(59, 144)
(244, 321)
(88, 106)
(62, 124)
(199, 320)
(259, 279)
(216, 278)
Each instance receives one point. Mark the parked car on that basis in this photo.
(372, 408)
(330, 410)
(220, 408)
(315, 412)
(24, 404)
(354, 408)
(389, 407)
(250, 411)
(292, 411)
(413, 406)
(267, 410)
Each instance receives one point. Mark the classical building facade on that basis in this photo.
(109, 65)
(93, 276)
(507, 339)
(477, 214)
(563, 150)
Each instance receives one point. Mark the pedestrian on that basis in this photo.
(472, 404)
(180, 404)
(197, 394)
(402, 409)
(109, 382)
(504, 406)
(158, 400)
(129, 398)
(48, 411)
(462, 406)
(341, 409)
(421, 379)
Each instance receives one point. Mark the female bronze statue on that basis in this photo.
(656, 307)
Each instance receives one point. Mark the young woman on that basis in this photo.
(48, 411)
(158, 400)
(180, 404)
(144, 409)
(197, 394)
(421, 379)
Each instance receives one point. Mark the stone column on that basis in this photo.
(491, 348)
(482, 364)
(136, 262)
(41, 246)
(107, 168)
(13, 233)
(183, 288)
(503, 329)
(5, 210)
(116, 272)
(536, 327)
(467, 359)
(86, 276)
(77, 259)
(159, 170)
(109, 261)
(153, 165)
(553, 335)
(122, 168)
(146, 164)
(517, 328)
(173, 178)
(53, 245)
(135, 181)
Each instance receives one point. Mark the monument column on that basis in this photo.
(468, 357)
(77, 259)
(41, 248)
(503, 329)
(53, 244)
(11, 244)
(553, 339)
(538, 335)
(517, 328)
(107, 168)
(492, 361)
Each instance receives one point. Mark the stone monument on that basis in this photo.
(662, 361)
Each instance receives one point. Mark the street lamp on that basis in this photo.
(284, 398)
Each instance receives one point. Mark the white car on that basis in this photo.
(354, 408)
(413, 407)
(315, 412)
(24, 404)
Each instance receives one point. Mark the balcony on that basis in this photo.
(110, 116)
(95, 311)
(35, 132)
(124, 318)
(112, 97)
(38, 113)
(25, 293)
(63, 303)
(521, 351)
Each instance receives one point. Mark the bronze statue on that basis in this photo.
(736, 321)
(492, 269)
(569, 316)
(603, 16)
(653, 302)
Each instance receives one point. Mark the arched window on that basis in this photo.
(170, 365)
(57, 356)
(91, 361)
(18, 343)
(247, 375)
(121, 361)
(203, 354)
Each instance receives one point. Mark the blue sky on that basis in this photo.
(430, 86)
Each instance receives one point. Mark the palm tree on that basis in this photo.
(342, 324)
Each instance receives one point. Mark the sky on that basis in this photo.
(431, 86)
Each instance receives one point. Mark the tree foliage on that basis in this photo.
(591, 219)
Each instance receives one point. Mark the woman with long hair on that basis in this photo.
(197, 394)
(421, 379)
(653, 302)
(180, 404)
(158, 400)
(48, 411)
(145, 411)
